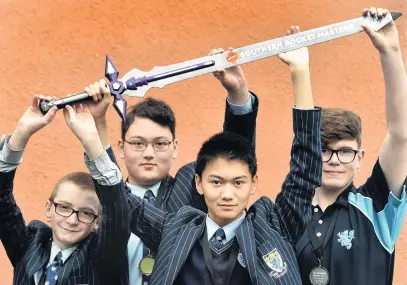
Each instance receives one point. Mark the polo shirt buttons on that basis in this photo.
(320, 222)
(318, 234)
(316, 210)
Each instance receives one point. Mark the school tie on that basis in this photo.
(52, 270)
(217, 239)
(149, 196)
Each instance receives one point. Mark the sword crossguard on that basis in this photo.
(117, 88)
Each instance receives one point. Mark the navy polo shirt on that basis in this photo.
(361, 249)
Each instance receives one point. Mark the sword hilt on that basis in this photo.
(45, 106)
(117, 88)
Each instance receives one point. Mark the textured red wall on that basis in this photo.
(57, 47)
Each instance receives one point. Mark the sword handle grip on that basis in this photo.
(45, 106)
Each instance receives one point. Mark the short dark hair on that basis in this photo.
(229, 146)
(339, 124)
(156, 110)
(81, 179)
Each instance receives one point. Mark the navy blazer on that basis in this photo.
(267, 234)
(98, 260)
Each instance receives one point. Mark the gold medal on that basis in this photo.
(146, 265)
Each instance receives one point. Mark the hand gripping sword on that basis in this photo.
(137, 83)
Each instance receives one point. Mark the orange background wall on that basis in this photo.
(57, 47)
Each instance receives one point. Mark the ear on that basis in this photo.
(198, 184)
(255, 179)
(120, 144)
(48, 209)
(97, 224)
(360, 157)
(175, 151)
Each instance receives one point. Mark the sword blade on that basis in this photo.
(159, 77)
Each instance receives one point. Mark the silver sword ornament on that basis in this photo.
(136, 83)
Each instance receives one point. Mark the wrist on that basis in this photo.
(239, 96)
(299, 68)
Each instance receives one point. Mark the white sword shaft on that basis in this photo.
(256, 51)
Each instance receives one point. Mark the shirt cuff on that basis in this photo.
(103, 170)
(9, 159)
(242, 109)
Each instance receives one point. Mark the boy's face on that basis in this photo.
(227, 186)
(147, 167)
(336, 176)
(69, 231)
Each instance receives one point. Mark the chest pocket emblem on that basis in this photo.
(345, 238)
(275, 262)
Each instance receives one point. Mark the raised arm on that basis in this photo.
(393, 151)
(294, 202)
(14, 233)
(241, 105)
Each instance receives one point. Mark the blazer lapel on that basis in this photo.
(186, 239)
(37, 258)
(246, 240)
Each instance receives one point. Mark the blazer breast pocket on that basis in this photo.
(278, 258)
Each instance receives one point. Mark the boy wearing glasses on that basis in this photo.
(87, 214)
(352, 236)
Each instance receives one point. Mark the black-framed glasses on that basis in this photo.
(344, 155)
(66, 211)
(140, 145)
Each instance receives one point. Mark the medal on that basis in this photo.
(319, 275)
(146, 265)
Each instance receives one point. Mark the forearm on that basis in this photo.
(301, 81)
(396, 93)
(294, 201)
(102, 128)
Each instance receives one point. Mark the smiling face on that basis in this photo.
(226, 175)
(69, 231)
(337, 176)
(340, 130)
(227, 186)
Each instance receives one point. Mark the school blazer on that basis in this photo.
(269, 231)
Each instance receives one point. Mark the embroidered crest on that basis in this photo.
(241, 260)
(275, 262)
(345, 238)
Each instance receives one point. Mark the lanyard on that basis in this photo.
(318, 246)
(208, 260)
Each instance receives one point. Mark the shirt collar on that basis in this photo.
(65, 253)
(230, 229)
(140, 191)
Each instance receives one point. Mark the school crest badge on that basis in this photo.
(345, 238)
(275, 262)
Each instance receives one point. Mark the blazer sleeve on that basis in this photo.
(114, 230)
(244, 125)
(294, 202)
(183, 192)
(147, 221)
(14, 233)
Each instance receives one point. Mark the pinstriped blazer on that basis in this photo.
(266, 236)
(28, 247)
